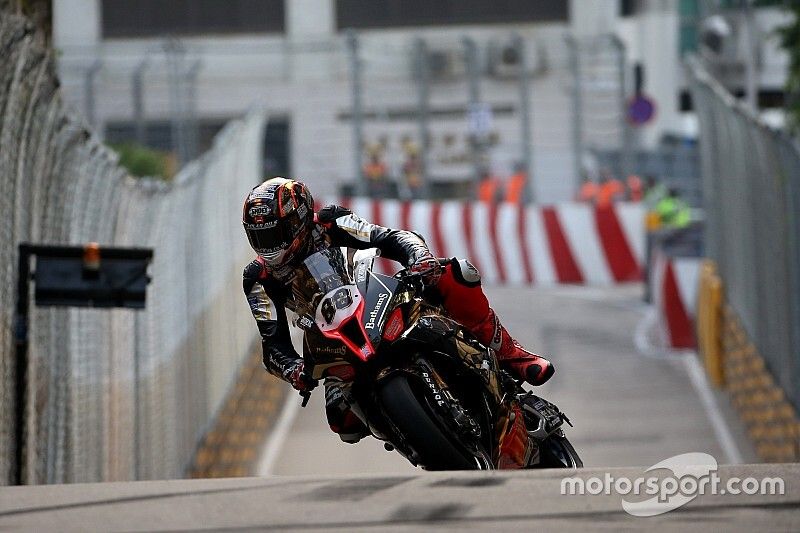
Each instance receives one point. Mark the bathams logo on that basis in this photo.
(373, 315)
(692, 475)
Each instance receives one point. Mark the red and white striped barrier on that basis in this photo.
(674, 284)
(522, 245)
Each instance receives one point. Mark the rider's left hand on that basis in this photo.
(429, 268)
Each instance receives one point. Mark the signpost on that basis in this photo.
(73, 276)
(641, 110)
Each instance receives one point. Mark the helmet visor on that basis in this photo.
(274, 236)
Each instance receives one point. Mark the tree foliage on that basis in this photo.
(141, 161)
(790, 41)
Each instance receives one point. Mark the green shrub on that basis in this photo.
(143, 161)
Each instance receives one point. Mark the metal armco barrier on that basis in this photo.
(115, 394)
(751, 180)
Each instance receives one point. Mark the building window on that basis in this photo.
(689, 12)
(627, 8)
(158, 133)
(152, 18)
(403, 13)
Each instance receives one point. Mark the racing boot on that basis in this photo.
(526, 365)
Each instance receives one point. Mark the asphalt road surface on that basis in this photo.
(440, 501)
(629, 408)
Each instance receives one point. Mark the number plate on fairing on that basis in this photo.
(336, 307)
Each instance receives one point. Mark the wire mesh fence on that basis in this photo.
(118, 394)
(751, 180)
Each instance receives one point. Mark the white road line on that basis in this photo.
(289, 412)
(697, 377)
(278, 435)
(723, 434)
(640, 336)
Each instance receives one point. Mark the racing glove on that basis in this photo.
(429, 268)
(297, 378)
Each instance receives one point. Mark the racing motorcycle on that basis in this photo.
(419, 380)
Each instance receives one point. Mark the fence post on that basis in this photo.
(627, 161)
(357, 115)
(473, 80)
(137, 88)
(423, 98)
(174, 52)
(193, 127)
(525, 118)
(21, 364)
(89, 100)
(577, 110)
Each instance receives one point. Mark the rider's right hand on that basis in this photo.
(299, 379)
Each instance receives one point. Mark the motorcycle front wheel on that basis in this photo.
(557, 452)
(437, 448)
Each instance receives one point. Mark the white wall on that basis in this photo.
(304, 75)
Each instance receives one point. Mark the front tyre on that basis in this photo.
(557, 452)
(436, 449)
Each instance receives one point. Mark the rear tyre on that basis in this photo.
(557, 452)
(435, 449)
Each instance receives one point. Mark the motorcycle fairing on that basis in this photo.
(447, 338)
(378, 291)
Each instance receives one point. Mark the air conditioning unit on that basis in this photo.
(720, 38)
(442, 65)
(504, 60)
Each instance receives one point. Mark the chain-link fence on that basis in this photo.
(117, 394)
(751, 178)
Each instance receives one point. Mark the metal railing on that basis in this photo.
(751, 180)
(120, 394)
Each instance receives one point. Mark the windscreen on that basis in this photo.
(321, 273)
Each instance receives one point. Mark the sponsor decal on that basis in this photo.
(373, 315)
(331, 350)
(269, 194)
(361, 272)
(498, 335)
(259, 210)
(264, 225)
(305, 322)
(437, 395)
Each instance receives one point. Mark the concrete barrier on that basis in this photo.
(674, 287)
(514, 244)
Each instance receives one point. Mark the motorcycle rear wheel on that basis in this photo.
(436, 450)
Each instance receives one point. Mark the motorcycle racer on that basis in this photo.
(283, 229)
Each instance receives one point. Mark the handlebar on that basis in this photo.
(306, 394)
